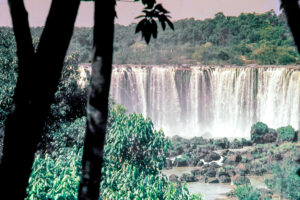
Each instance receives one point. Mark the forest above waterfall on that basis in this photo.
(249, 38)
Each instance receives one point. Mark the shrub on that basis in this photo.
(246, 192)
(257, 131)
(285, 180)
(55, 178)
(286, 133)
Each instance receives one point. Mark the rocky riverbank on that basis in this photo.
(222, 161)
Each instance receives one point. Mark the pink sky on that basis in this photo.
(127, 11)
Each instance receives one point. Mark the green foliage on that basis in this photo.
(134, 156)
(8, 68)
(246, 192)
(285, 180)
(286, 133)
(55, 178)
(258, 130)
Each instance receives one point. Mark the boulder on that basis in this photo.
(213, 180)
(180, 163)
(211, 172)
(187, 178)
(173, 178)
(225, 152)
(224, 179)
(278, 157)
(200, 163)
(212, 156)
(196, 172)
(214, 165)
(269, 137)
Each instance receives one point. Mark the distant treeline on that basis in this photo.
(224, 40)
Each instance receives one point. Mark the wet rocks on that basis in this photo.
(173, 178)
(187, 178)
(212, 156)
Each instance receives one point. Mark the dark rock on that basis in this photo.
(225, 152)
(193, 162)
(200, 163)
(212, 156)
(214, 165)
(205, 166)
(211, 172)
(269, 137)
(201, 155)
(214, 180)
(187, 178)
(225, 179)
(173, 178)
(196, 172)
(180, 163)
(204, 171)
(278, 157)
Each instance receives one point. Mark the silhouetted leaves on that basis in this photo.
(148, 25)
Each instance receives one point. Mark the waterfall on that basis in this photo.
(209, 101)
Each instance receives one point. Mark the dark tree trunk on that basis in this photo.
(292, 11)
(97, 106)
(37, 82)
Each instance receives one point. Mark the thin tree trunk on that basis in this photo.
(292, 11)
(37, 83)
(97, 106)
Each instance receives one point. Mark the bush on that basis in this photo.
(246, 192)
(286, 133)
(257, 131)
(55, 178)
(285, 180)
(134, 156)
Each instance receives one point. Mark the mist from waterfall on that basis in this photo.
(209, 101)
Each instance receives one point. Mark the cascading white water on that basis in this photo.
(209, 101)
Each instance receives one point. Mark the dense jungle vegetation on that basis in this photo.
(250, 38)
(247, 39)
